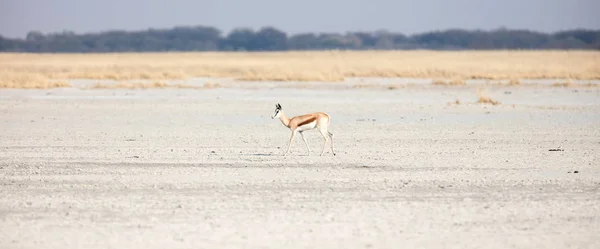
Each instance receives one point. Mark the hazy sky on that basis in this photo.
(17, 17)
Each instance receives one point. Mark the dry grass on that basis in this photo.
(568, 83)
(30, 81)
(26, 81)
(456, 102)
(395, 86)
(286, 75)
(211, 85)
(591, 85)
(453, 82)
(35, 85)
(153, 85)
(514, 82)
(330, 66)
(485, 99)
(129, 85)
(379, 86)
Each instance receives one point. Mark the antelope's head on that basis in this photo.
(277, 112)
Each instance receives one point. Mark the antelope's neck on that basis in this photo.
(284, 119)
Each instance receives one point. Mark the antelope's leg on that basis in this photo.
(291, 140)
(324, 142)
(331, 136)
(303, 138)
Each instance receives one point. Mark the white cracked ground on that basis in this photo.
(203, 169)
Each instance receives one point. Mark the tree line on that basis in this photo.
(202, 38)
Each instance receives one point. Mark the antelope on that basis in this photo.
(302, 123)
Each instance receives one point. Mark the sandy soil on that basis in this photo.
(204, 169)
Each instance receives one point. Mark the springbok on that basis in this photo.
(299, 124)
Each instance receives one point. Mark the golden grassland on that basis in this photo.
(39, 70)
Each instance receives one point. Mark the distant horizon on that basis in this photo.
(225, 32)
(18, 17)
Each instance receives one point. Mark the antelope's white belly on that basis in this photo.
(308, 126)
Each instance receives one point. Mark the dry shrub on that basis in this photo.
(438, 82)
(485, 99)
